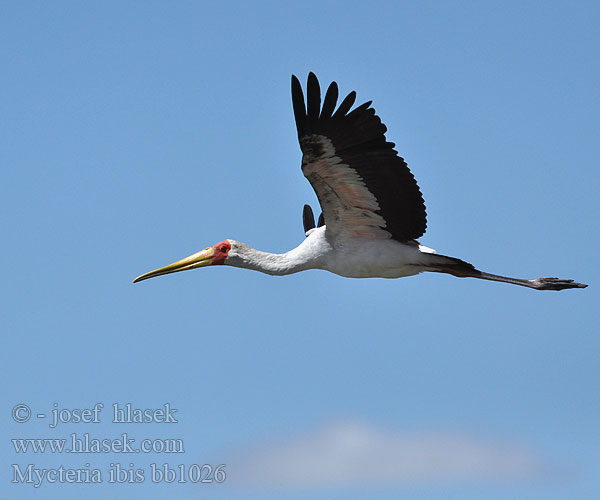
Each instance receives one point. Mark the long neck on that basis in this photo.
(301, 258)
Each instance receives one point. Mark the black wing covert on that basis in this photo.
(363, 186)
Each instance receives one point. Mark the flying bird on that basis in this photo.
(372, 208)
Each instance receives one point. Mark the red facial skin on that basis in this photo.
(221, 251)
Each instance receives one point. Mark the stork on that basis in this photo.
(372, 208)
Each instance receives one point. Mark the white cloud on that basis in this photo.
(353, 454)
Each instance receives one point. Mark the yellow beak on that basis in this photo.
(199, 259)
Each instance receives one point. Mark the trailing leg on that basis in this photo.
(462, 269)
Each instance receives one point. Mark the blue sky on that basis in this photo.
(135, 133)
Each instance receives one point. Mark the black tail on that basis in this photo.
(451, 265)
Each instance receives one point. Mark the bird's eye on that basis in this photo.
(223, 249)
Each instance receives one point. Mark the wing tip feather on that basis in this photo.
(298, 105)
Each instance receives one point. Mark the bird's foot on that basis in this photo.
(555, 284)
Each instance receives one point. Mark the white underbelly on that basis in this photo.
(393, 260)
(366, 272)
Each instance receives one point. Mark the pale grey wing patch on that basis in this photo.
(348, 205)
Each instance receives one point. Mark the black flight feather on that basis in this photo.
(298, 103)
(330, 101)
(313, 100)
(308, 218)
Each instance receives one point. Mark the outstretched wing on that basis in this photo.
(365, 189)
